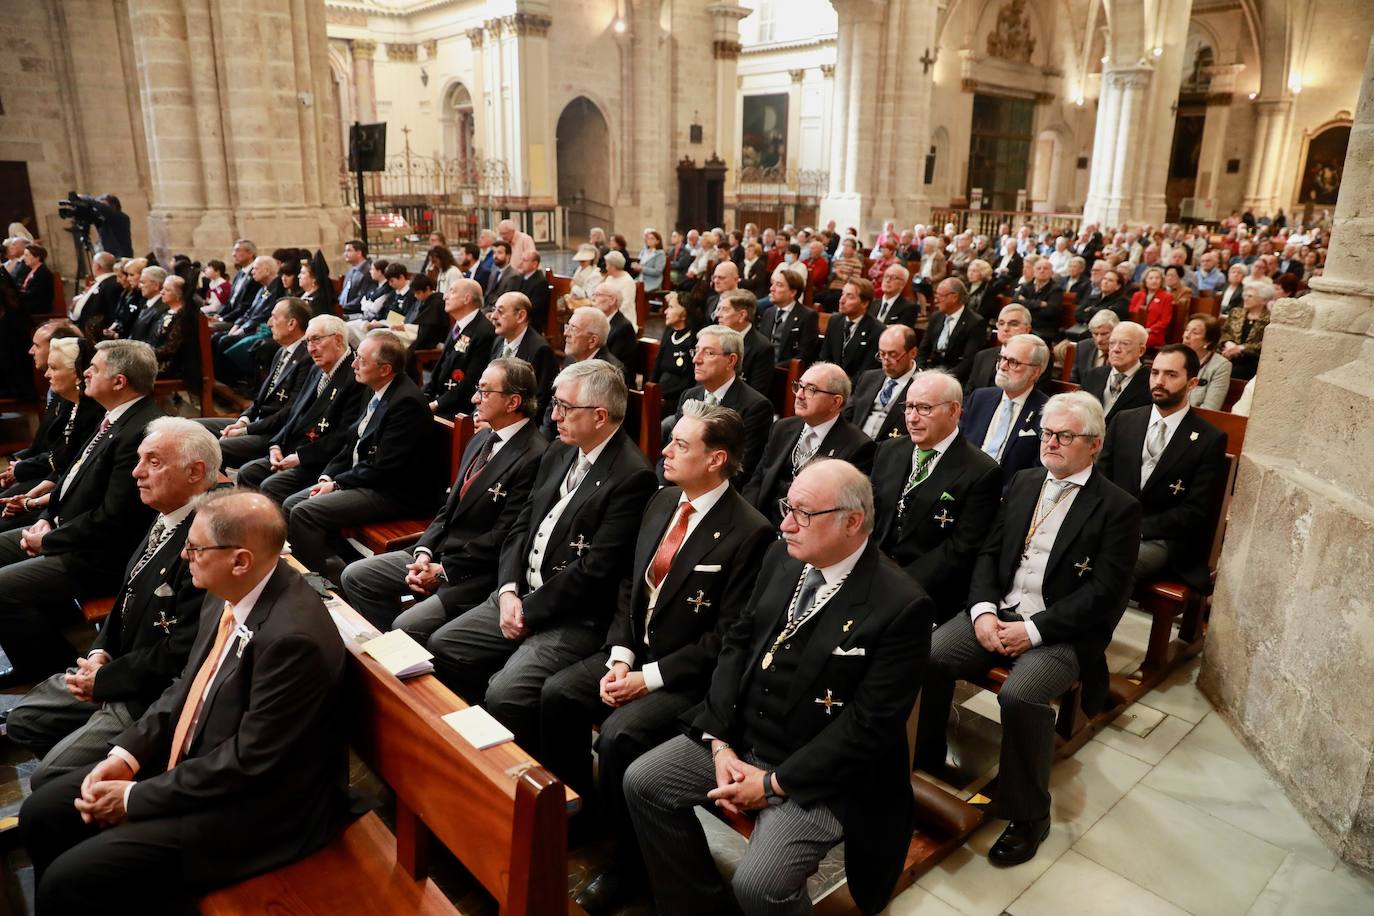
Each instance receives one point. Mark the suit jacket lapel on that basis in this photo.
(925, 495)
(702, 541)
(1178, 446)
(1131, 456)
(599, 472)
(496, 466)
(262, 609)
(1084, 505)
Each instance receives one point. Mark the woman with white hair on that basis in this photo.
(623, 284)
(1243, 334)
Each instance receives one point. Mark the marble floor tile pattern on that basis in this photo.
(1179, 819)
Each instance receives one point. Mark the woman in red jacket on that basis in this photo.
(1153, 307)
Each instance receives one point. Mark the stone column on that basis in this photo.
(1289, 652)
(364, 81)
(646, 106)
(1273, 118)
(725, 47)
(1160, 111)
(850, 201)
(1211, 162)
(1118, 146)
(904, 158)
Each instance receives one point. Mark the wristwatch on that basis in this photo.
(768, 791)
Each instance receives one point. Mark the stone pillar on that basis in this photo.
(909, 130)
(647, 120)
(1118, 146)
(1289, 652)
(725, 47)
(1273, 118)
(1211, 162)
(1160, 111)
(364, 80)
(851, 198)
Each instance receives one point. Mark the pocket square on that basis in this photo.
(946, 497)
(1026, 432)
(849, 653)
(164, 591)
(710, 567)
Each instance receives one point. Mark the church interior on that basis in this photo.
(345, 258)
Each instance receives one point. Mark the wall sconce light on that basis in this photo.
(1158, 51)
(1253, 96)
(1078, 102)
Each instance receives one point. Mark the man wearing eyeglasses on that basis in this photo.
(1004, 419)
(815, 431)
(561, 564)
(514, 337)
(851, 339)
(1014, 319)
(936, 494)
(955, 334)
(453, 565)
(880, 394)
(715, 362)
(736, 311)
(1124, 382)
(803, 723)
(1048, 589)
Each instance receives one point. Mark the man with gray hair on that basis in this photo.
(803, 721)
(94, 309)
(1123, 382)
(1091, 353)
(737, 310)
(563, 562)
(1048, 589)
(1014, 319)
(1003, 419)
(466, 351)
(816, 430)
(70, 719)
(92, 521)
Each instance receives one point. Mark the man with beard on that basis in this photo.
(1004, 419)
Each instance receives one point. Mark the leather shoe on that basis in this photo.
(1019, 842)
(606, 892)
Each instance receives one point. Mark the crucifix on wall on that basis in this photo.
(927, 61)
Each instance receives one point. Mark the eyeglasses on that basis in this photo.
(706, 352)
(924, 410)
(803, 518)
(883, 355)
(1065, 437)
(811, 390)
(565, 407)
(318, 338)
(1006, 362)
(484, 393)
(194, 551)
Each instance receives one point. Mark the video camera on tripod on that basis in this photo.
(84, 214)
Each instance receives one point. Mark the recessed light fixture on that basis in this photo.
(1159, 52)
(619, 26)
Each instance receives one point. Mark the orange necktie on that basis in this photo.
(191, 708)
(663, 559)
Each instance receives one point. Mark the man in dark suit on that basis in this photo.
(815, 431)
(1003, 419)
(1043, 298)
(876, 406)
(1077, 282)
(502, 277)
(466, 351)
(1006, 265)
(210, 786)
(247, 437)
(453, 565)
(70, 719)
(955, 333)
(304, 439)
(81, 542)
(357, 280)
(892, 306)
(714, 365)
(1091, 351)
(36, 286)
(802, 722)
(515, 337)
(97, 306)
(1014, 319)
(695, 563)
(736, 311)
(1048, 589)
(584, 338)
(724, 280)
(620, 340)
(851, 338)
(1173, 461)
(531, 280)
(383, 468)
(1123, 382)
(562, 563)
(233, 348)
(935, 494)
(793, 328)
(243, 289)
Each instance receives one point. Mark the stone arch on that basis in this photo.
(341, 88)
(941, 184)
(583, 143)
(458, 124)
(1052, 172)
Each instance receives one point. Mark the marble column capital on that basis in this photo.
(1128, 77)
(363, 48)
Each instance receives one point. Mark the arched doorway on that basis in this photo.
(584, 169)
(459, 127)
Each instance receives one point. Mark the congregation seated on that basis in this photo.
(673, 370)
(453, 565)
(704, 298)
(69, 421)
(737, 311)
(515, 336)
(793, 328)
(815, 431)
(373, 303)
(1202, 335)
(1003, 419)
(529, 280)
(209, 786)
(131, 301)
(846, 266)
(78, 546)
(466, 351)
(234, 347)
(1013, 319)
(1172, 461)
(803, 722)
(398, 297)
(876, 405)
(70, 719)
(380, 469)
(1123, 381)
(562, 562)
(715, 361)
(305, 437)
(935, 494)
(502, 276)
(1076, 281)
(145, 320)
(955, 333)
(1048, 588)
(1242, 334)
(695, 560)
(852, 339)
(1091, 351)
(247, 436)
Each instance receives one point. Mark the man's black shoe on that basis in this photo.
(606, 892)
(1019, 842)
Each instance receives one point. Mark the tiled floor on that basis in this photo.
(1164, 813)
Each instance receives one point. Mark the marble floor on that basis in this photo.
(1163, 812)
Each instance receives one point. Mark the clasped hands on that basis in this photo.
(280, 463)
(620, 685)
(1010, 639)
(81, 683)
(422, 575)
(739, 785)
(31, 540)
(102, 793)
(512, 616)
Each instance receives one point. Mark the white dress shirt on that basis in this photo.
(1018, 404)
(1171, 425)
(877, 416)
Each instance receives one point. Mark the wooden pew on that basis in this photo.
(1207, 304)
(553, 324)
(641, 305)
(1233, 392)
(644, 421)
(1070, 355)
(780, 393)
(646, 352)
(497, 811)
(449, 438)
(824, 320)
(1180, 321)
(204, 386)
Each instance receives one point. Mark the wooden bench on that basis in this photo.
(644, 421)
(1070, 356)
(497, 811)
(204, 386)
(780, 393)
(449, 438)
(646, 353)
(823, 319)
(1234, 390)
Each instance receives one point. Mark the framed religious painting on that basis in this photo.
(763, 137)
(1323, 162)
